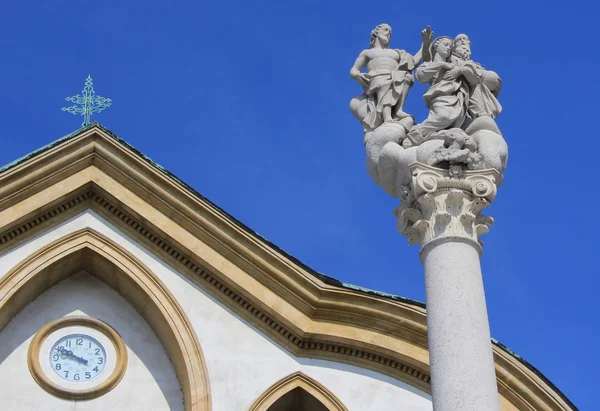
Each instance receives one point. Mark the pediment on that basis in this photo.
(309, 314)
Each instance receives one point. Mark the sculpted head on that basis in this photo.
(383, 32)
(442, 46)
(462, 46)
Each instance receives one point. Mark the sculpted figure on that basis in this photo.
(448, 96)
(459, 133)
(387, 80)
(482, 101)
(461, 90)
(462, 103)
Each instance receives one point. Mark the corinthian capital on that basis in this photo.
(446, 205)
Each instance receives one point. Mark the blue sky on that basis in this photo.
(248, 103)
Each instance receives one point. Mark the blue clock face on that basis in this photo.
(77, 358)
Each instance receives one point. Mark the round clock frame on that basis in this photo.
(51, 333)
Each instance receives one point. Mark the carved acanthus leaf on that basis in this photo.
(444, 206)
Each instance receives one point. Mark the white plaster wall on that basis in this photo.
(242, 362)
(149, 383)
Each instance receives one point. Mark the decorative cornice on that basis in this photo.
(299, 345)
(31, 224)
(445, 206)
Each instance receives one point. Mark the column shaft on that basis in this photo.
(460, 350)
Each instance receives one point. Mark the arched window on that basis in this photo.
(297, 392)
(297, 399)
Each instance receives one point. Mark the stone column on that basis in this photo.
(442, 213)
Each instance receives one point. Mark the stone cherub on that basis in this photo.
(387, 80)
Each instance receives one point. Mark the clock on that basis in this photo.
(77, 357)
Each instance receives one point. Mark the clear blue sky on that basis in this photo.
(248, 103)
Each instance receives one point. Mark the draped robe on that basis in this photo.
(386, 87)
(452, 103)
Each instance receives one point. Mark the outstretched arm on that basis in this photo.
(418, 57)
(423, 54)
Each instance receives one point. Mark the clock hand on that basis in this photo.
(62, 351)
(69, 353)
(82, 360)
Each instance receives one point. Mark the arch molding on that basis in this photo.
(297, 380)
(88, 250)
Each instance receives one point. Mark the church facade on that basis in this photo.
(121, 288)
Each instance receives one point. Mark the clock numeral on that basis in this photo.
(90, 345)
(95, 369)
(88, 375)
(55, 357)
(57, 366)
(79, 341)
(100, 360)
(66, 374)
(68, 343)
(76, 377)
(97, 351)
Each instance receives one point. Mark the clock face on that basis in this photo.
(77, 358)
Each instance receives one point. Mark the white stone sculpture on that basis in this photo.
(457, 94)
(387, 80)
(463, 104)
(459, 133)
(445, 170)
(380, 108)
(441, 206)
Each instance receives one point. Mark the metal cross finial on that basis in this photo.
(87, 103)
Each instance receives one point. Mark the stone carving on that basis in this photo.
(445, 170)
(457, 94)
(387, 80)
(442, 207)
(459, 137)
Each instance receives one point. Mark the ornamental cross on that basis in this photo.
(87, 103)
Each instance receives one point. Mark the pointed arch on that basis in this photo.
(291, 382)
(88, 250)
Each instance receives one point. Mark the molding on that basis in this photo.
(295, 342)
(33, 358)
(270, 289)
(297, 380)
(90, 251)
(299, 343)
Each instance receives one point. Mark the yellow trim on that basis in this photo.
(33, 358)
